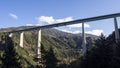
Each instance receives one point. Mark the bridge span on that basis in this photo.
(85, 20)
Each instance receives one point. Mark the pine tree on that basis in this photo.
(99, 56)
(50, 59)
(10, 57)
(115, 63)
(42, 60)
(43, 53)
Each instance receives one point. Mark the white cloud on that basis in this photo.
(33, 24)
(37, 25)
(63, 20)
(73, 32)
(79, 25)
(29, 25)
(76, 32)
(48, 19)
(95, 32)
(13, 15)
(51, 20)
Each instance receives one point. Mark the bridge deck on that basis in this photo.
(70, 22)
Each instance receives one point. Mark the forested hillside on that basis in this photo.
(60, 50)
(105, 54)
(64, 46)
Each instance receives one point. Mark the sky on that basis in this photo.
(14, 13)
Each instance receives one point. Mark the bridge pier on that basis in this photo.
(38, 46)
(84, 50)
(10, 34)
(117, 37)
(21, 39)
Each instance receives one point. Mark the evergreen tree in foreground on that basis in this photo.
(99, 56)
(50, 59)
(43, 55)
(115, 62)
(42, 60)
(10, 57)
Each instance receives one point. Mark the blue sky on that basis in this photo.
(15, 13)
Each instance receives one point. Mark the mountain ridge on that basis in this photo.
(53, 30)
(73, 40)
(64, 44)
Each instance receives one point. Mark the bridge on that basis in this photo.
(39, 28)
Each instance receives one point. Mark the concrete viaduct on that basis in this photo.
(39, 28)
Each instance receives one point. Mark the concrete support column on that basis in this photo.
(117, 37)
(38, 47)
(21, 39)
(84, 50)
(10, 34)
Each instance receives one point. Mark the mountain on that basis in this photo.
(64, 44)
(49, 31)
(72, 40)
(111, 37)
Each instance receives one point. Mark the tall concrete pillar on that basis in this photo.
(117, 37)
(10, 34)
(38, 47)
(21, 39)
(84, 50)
